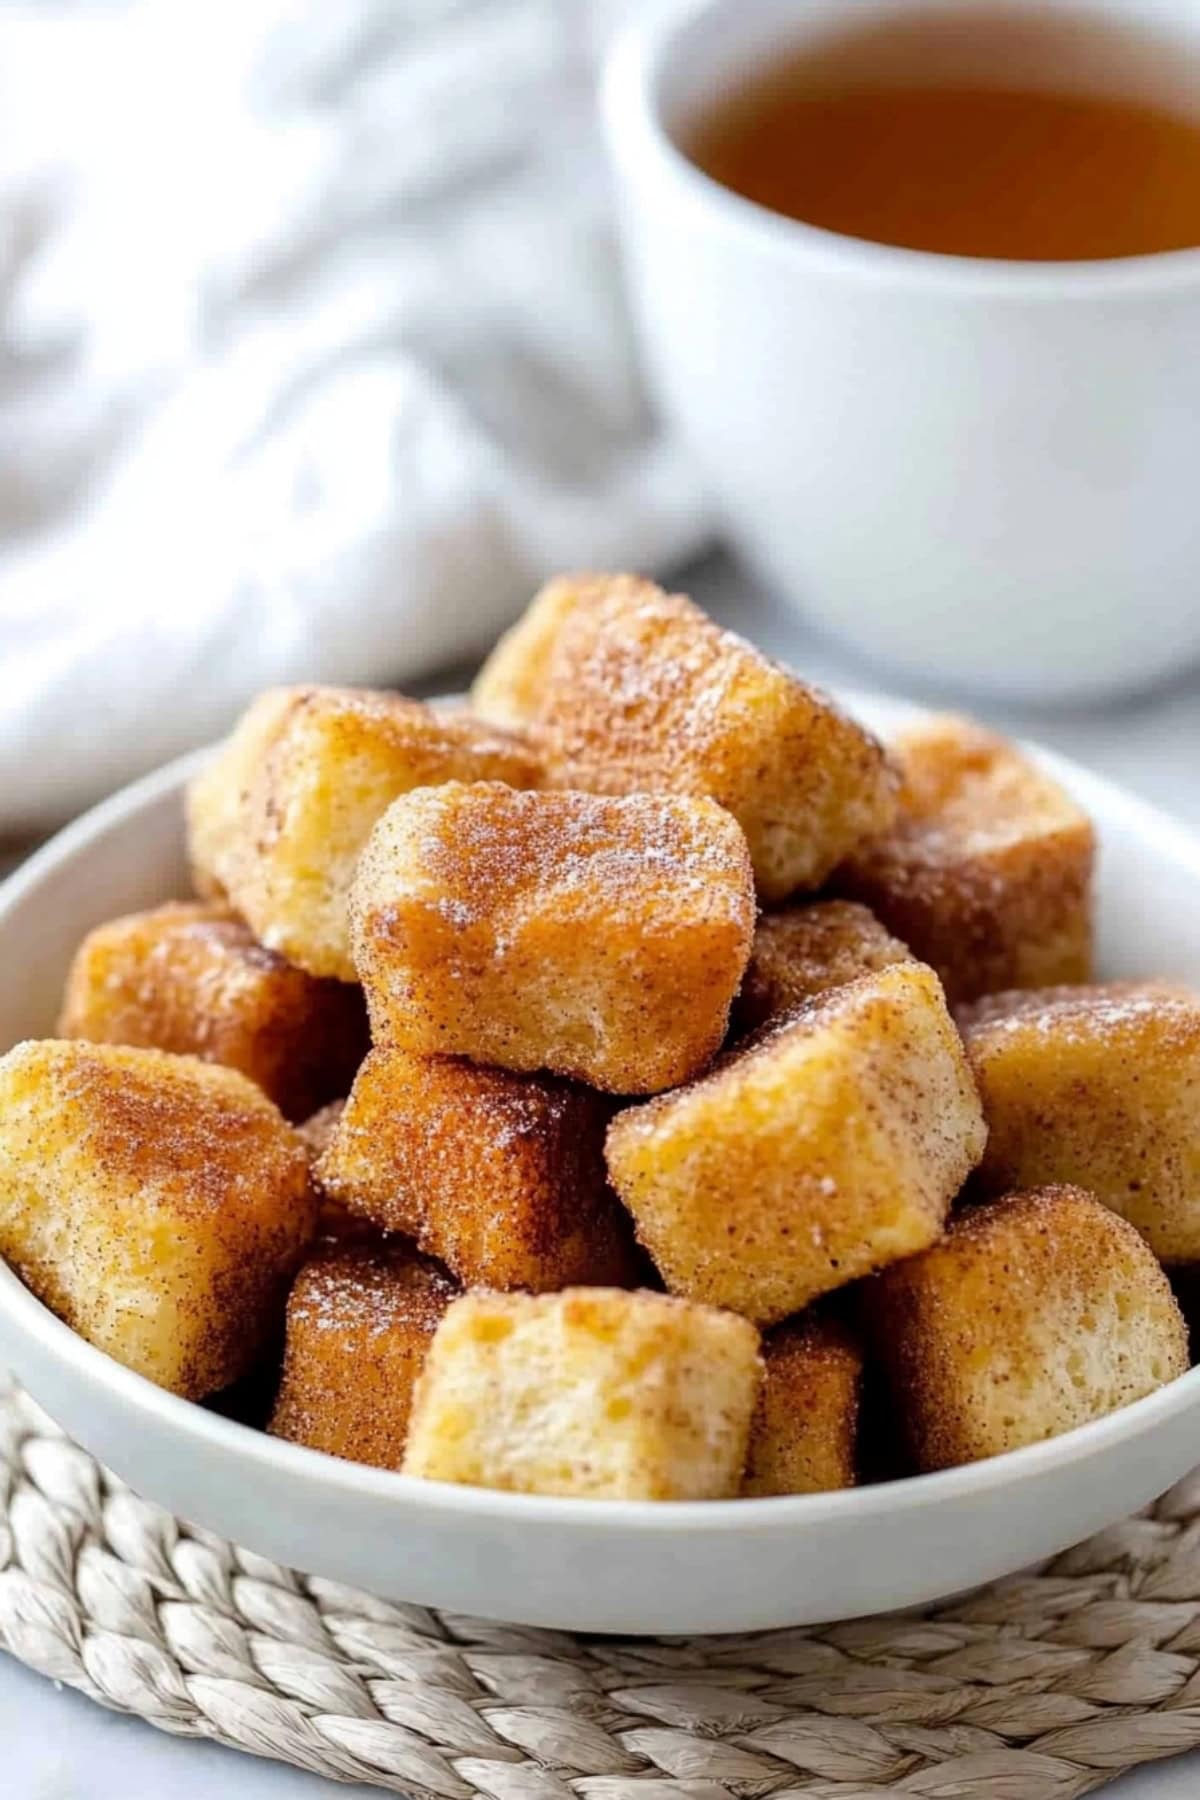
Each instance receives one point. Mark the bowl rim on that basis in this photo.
(256, 1449)
(635, 129)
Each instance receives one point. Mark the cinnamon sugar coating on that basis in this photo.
(277, 821)
(827, 1145)
(592, 1392)
(1035, 1313)
(193, 979)
(333, 1219)
(803, 1439)
(360, 1319)
(317, 1130)
(806, 950)
(601, 938)
(1099, 1086)
(499, 1175)
(628, 689)
(987, 872)
(158, 1204)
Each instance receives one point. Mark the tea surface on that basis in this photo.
(968, 170)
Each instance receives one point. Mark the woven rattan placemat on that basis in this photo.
(1038, 1688)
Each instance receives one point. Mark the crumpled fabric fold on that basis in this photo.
(313, 360)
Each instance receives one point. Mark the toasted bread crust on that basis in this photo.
(192, 978)
(501, 1176)
(157, 1203)
(360, 1319)
(278, 820)
(1035, 1313)
(316, 1131)
(333, 1219)
(593, 1392)
(805, 1426)
(825, 1146)
(1099, 1086)
(628, 689)
(987, 872)
(807, 950)
(599, 938)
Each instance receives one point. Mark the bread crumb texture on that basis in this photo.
(1036, 1313)
(193, 979)
(502, 1176)
(803, 1439)
(826, 1146)
(987, 872)
(158, 1204)
(806, 950)
(628, 689)
(277, 821)
(596, 937)
(360, 1320)
(595, 1393)
(1097, 1086)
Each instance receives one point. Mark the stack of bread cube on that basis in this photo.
(591, 1086)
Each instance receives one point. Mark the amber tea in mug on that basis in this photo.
(1046, 138)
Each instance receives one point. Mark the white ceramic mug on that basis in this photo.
(978, 472)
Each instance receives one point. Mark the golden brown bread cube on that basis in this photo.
(276, 823)
(360, 1320)
(602, 1394)
(501, 1176)
(192, 978)
(630, 690)
(1036, 1313)
(987, 873)
(217, 799)
(805, 951)
(1097, 1086)
(316, 1132)
(803, 1439)
(158, 1204)
(827, 1145)
(333, 1219)
(511, 687)
(600, 938)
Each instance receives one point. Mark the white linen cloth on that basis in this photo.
(313, 359)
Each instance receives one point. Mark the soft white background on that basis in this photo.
(58, 1746)
(313, 359)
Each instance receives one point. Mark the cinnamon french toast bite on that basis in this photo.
(360, 1319)
(987, 872)
(601, 938)
(158, 1204)
(276, 823)
(1035, 1313)
(1099, 1086)
(628, 689)
(316, 1132)
(806, 950)
(333, 1219)
(193, 979)
(827, 1145)
(500, 1175)
(803, 1439)
(596, 1393)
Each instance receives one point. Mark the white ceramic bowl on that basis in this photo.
(585, 1565)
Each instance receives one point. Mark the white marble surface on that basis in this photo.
(58, 1746)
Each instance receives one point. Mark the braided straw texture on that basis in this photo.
(1039, 1688)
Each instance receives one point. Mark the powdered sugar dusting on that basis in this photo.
(628, 689)
(1086, 1014)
